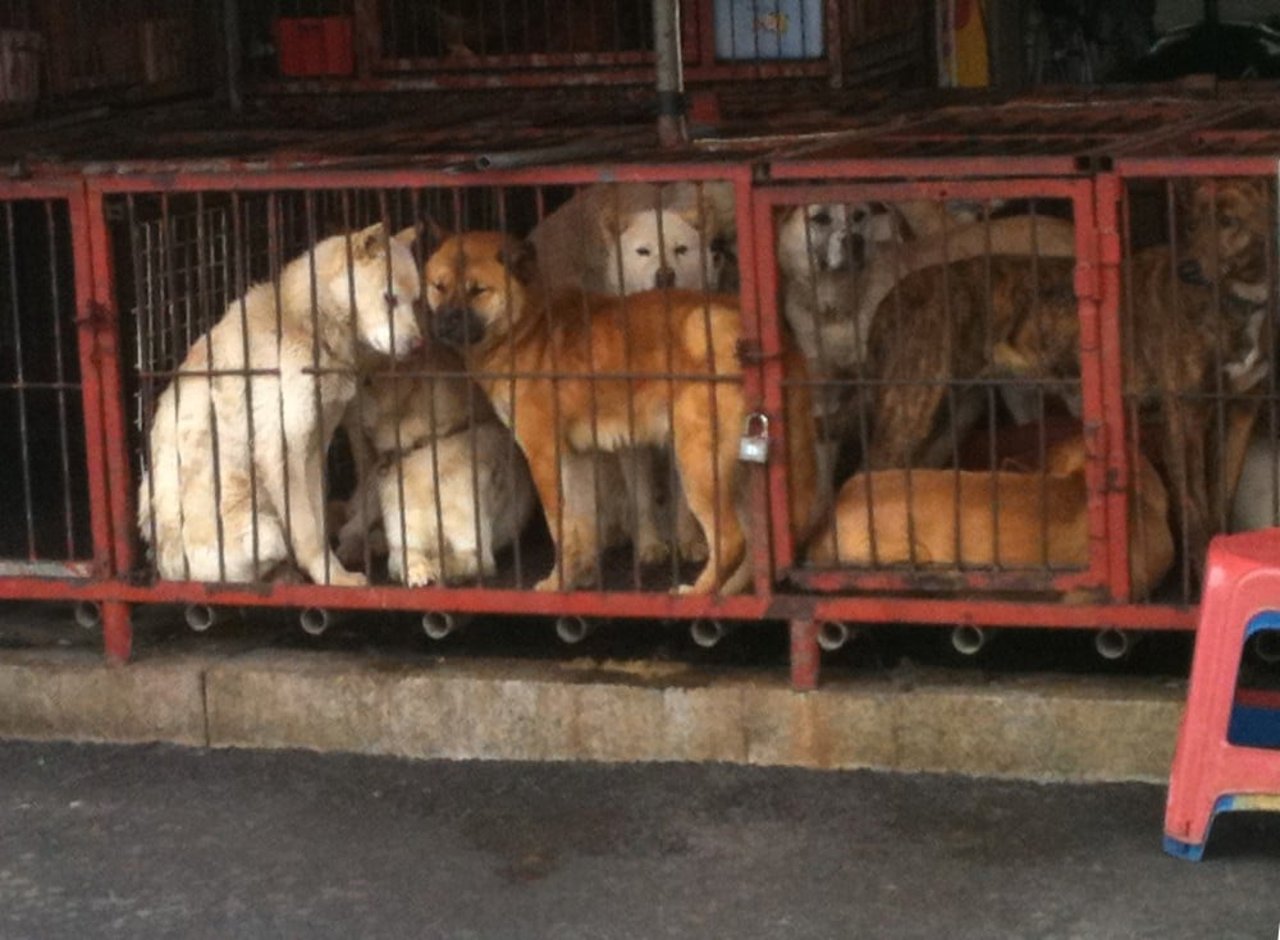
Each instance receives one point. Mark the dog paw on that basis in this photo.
(421, 574)
(341, 577)
(653, 551)
(694, 548)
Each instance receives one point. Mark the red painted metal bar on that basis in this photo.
(116, 629)
(1107, 189)
(806, 656)
(942, 168)
(753, 279)
(1000, 613)
(762, 231)
(1088, 291)
(87, 315)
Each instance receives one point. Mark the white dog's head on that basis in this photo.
(831, 237)
(383, 281)
(654, 248)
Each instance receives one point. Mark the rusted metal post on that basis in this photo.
(672, 128)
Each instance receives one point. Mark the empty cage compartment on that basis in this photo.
(1197, 311)
(44, 486)
(445, 385)
(951, 370)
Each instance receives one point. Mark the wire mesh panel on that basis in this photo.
(499, 387)
(1198, 309)
(44, 511)
(955, 375)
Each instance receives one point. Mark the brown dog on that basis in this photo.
(574, 373)
(1015, 520)
(1189, 315)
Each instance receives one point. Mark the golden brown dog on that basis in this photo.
(1010, 519)
(573, 374)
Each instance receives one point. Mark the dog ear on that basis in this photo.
(410, 235)
(610, 220)
(436, 234)
(369, 242)
(521, 259)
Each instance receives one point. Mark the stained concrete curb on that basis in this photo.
(1043, 729)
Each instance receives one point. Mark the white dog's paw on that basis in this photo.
(421, 573)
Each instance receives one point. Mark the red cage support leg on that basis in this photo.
(117, 631)
(805, 655)
(1210, 775)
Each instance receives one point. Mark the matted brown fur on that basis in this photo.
(983, 519)
(545, 363)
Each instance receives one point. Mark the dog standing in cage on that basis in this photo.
(625, 238)
(234, 483)
(574, 375)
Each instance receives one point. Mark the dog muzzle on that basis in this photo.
(457, 326)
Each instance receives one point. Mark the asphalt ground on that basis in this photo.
(158, 841)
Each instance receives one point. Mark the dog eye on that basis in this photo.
(681, 250)
(440, 286)
(821, 218)
(1230, 221)
(644, 252)
(475, 290)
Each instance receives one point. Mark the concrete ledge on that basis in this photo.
(1048, 729)
(74, 695)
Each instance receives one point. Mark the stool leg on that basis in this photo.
(1201, 765)
(805, 655)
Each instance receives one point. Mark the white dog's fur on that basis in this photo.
(617, 237)
(234, 486)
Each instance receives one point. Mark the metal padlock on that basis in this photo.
(754, 446)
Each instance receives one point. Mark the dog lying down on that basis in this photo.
(448, 483)
(574, 374)
(238, 441)
(1042, 519)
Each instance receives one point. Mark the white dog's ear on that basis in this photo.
(369, 242)
(408, 236)
(610, 220)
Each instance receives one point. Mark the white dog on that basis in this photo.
(628, 237)
(238, 441)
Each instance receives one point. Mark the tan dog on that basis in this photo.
(447, 485)
(537, 357)
(235, 461)
(1006, 519)
(630, 237)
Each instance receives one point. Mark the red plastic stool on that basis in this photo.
(1211, 775)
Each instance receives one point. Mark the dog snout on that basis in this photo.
(664, 278)
(456, 326)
